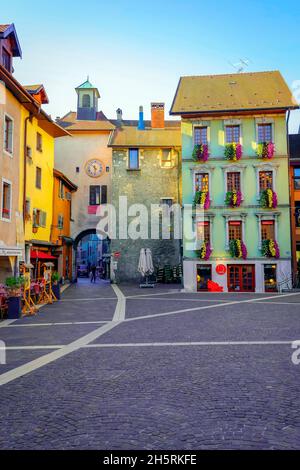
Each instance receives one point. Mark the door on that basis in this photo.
(241, 278)
(270, 276)
(203, 275)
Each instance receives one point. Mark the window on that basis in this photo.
(267, 230)
(297, 213)
(297, 178)
(98, 195)
(235, 230)
(203, 231)
(6, 60)
(200, 135)
(265, 180)
(39, 218)
(201, 182)
(232, 134)
(39, 142)
(61, 190)
(6, 201)
(27, 208)
(8, 134)
(166, 158)
(264, 133)
(77, 169)
(86, 101)
(60, 222)
(166, 201)
(38, 178)
(133, 159)
(233, 181)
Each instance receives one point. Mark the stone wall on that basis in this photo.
(145, 186)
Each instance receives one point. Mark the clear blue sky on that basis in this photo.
(135, 51)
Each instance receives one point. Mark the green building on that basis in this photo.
(235, 180)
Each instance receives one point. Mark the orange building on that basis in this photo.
(295, 198)
(62, 216)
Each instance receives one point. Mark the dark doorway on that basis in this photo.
(92, 250)
(270, 276)
(203, 276)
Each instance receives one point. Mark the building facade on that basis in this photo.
(63, 190)
(295, 199)
(234, 180)
(146, 171)
(86, 160)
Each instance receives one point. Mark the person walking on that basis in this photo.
(93, 271)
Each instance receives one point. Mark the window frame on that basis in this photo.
(36, 177)
(168, 161)
(235, 173)
(9, 183)
(202, 173)
(235, 223)
(129, 167)
(39, 142)
(83, 102)
(6, 150)
(267, 223)
(200, 140)
(296, 178)
(231, 126)
(259, 180)
(264, 124)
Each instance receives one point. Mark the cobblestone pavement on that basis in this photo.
(175, 371)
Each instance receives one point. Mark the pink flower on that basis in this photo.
(239, 198)
(270, 150)
(208, 251)
(207, 201)
(244, 250)
(238, 151)
(204, 152)
(277, 251)
(274, 200)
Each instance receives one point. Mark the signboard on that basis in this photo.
(221, 269)
(10, 252)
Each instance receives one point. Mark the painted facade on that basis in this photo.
(86, 160)
(63, 190)
(236, 231)
(146, 170)
(295, 199)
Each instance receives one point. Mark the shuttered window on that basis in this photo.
(98, 195)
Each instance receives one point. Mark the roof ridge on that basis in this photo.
(229, 74)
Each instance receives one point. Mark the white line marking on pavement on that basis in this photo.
(181, 300)
(158, 293)
(120, 310)
(193, 343)
(5, 323)
(53, 356)
(278, 303)
(88, 299)
(21, 325)
(205, 307)
(15, 348)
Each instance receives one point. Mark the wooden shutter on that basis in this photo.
(104, 194)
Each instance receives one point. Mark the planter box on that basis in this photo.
(14, 308)
(56, 290)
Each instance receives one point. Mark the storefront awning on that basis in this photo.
(37, 254)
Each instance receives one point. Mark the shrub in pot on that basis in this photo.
(55, 284)
(14, 290)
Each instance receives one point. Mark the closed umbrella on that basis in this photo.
(149, 262)
(142, 267)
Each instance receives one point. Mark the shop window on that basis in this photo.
(270, 277)
(203, 276)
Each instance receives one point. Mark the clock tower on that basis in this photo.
(87, 101)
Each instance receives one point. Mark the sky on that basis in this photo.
(136, 51)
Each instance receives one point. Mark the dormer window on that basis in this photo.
(86, 101)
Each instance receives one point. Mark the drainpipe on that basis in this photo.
(290, 196)
(28, 118)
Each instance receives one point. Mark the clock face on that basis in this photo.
(94, 168)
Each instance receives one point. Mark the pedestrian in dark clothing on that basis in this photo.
(93, 271)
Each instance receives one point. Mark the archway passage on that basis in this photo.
(91, 251)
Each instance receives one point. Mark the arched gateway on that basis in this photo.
(90, 249)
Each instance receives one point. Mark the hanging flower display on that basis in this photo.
(238, 249)
(202, 198)
(268, 199)
(270, 249)
(233, 198)
(205, 251)
(233, 151)
(200, 153)
(265, 150)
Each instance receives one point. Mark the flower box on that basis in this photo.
(200, 153)
(233, 152)
(268, 199)
(202, 198)
(238, 249)
(205, 251)
(233, 198)
(265, 150)
(270, 249)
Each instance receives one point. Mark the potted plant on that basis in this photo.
(200, 153)
(265, 150)
(268, 199)
(238, 249)
(14, 289)
(233, 198)
(233, 151)
(55, 284)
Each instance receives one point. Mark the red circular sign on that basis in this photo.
(221, 269)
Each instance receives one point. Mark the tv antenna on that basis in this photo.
(241, 65)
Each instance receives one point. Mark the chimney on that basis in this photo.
(157, 115)
(119, 114)
(141, 124)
